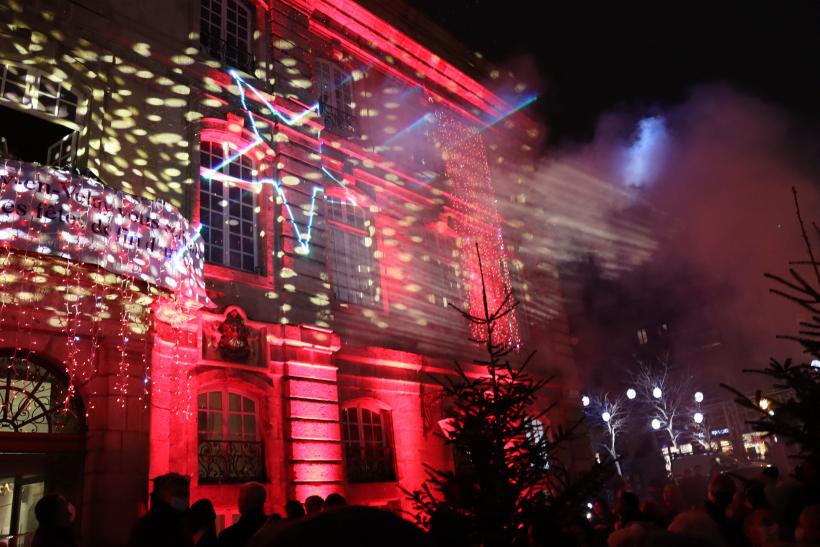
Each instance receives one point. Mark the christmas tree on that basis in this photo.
(793, 417)
(507, 469)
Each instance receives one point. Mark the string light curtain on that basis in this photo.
(465, 166)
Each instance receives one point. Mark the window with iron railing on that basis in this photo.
(335, 88)
(226, 32)
(367, 436)
(229, 445)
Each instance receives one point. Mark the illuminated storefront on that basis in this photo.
(252, 279)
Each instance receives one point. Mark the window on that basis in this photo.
(537, 435)
(22, 87)
(14, 85)
(352, 269)
(63, 152)
(226, 31)
(367, 435)
(335, 97)
(446, 277)
(230, 448)
(228, 210)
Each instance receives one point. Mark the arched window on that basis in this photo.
(367, 435)
(226, 32)
(228, 208)
(353, 274)
(33, 399)
(230, 446)
(335, 88)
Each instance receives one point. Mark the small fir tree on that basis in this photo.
(506, 464)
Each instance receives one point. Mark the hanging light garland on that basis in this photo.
(465, 163)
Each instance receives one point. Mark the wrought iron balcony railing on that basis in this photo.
(230, 461)
(340, 121)
(227, 53)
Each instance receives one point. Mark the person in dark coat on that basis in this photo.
(164, 524)
(349, 526)
(294, 509)
(251, 516)
(313, 505)
(201, 520)
(53, 523)
(333, 501)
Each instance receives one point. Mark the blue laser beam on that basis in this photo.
(303, 237)
(524, 103)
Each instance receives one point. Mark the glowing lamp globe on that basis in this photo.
(698, 397)
(585, 400)
(698, 418)
(815, 363)
(606, 416)
(631, 393)
(656, 423)
(764, 403)
(657, 393)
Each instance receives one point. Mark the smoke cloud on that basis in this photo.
(686, 206)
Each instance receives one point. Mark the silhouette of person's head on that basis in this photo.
(252, 497)
(334, 500)
(173, 490)
(202, 516)
(294, 509)
(53, 511)
(722, 490)
(352, 525)
(628, 507)
(770, 473)
(313, 504)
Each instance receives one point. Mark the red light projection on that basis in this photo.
(401, 47)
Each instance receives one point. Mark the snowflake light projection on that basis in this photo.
(303, 237)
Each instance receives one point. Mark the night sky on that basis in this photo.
(597, 56)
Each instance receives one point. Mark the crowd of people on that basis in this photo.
(726, 511)
(170, 522)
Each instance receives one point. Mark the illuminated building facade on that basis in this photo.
(340, 176)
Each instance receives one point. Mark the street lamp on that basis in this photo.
(606, 416)
(698, 397)
(585, 400)
(698, 418)
(657, 393)
(656, 423)
(631, 393)
(815, 363)
(764, 403)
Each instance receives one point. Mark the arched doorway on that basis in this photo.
(42, 439)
